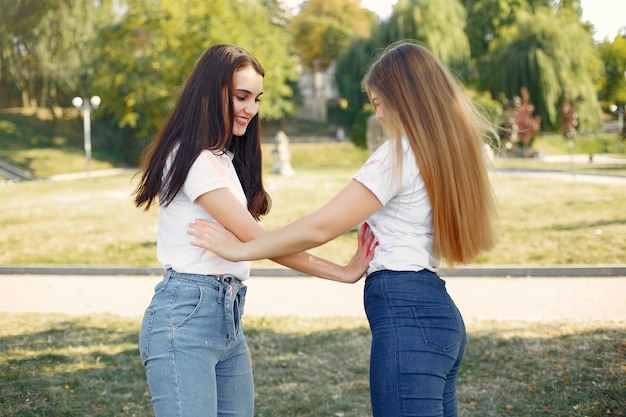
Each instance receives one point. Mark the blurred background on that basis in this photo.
(132, 56)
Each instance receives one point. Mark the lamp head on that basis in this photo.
(95, 101)
(77, 102)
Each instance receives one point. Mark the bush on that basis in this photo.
(358, 135)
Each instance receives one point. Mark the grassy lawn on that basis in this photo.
(92, 221)
(44, 146)
(594, 146)
(58, 365)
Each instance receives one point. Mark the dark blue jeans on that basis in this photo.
(418, 339)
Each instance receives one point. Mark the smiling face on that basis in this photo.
(247, 89)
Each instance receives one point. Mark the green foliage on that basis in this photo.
(613, 81)
(487, 18)
(490, 109)
(535, 52)
(359, 128)
(323, 28)
(45, 47)
(145, 58)
(138, 56)
(135, 59)
(351, 67)
(439, 24)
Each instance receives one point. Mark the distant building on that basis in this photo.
(317, 87)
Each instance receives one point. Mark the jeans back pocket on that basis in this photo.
(439, 325)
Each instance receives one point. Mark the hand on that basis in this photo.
(212, 236)
(365, 252)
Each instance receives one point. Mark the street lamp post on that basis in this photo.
(619, 110)
(86, 105)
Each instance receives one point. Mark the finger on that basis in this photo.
(369, 239)
(362, 233)
(371, 248)
(203, 224)
(199, 235)
(199, 227)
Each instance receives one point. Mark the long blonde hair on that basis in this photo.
(423, 102)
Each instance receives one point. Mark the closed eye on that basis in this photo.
(241, 98)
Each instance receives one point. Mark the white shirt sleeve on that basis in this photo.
(206, 174)
(377, 173)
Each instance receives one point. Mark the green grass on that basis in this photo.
(595, 145)
(92, 221)
(589, 143)
(58, 365)
(44, 146)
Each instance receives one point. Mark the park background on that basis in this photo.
(134, 55)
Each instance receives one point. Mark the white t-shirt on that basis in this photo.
(210, 171)
(403, 226)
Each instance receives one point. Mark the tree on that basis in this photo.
(551, 54)
(486, 18)
(45, 47)
(351, 67)
(18, 63)
(66, 42)
(439, 24)
(612, 84)
(146, 57)
(324, 28)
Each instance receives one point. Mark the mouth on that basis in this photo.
(241, 121)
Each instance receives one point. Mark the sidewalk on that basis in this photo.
(478, 298)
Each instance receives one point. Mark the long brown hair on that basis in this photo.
(423, 102)
(198, 122)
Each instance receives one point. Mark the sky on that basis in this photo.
(607, 16)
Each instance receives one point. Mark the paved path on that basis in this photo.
(533, 299)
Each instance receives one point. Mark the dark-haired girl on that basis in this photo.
(205, 163)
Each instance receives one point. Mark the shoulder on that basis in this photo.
(210, 163)
(213, 157)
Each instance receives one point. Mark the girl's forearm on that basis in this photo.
(299, 236)
(312, 265)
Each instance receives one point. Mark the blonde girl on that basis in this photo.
(426, 196)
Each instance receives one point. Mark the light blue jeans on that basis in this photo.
(418, 339)
(194, 349)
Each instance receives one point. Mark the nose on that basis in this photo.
(251, 108)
